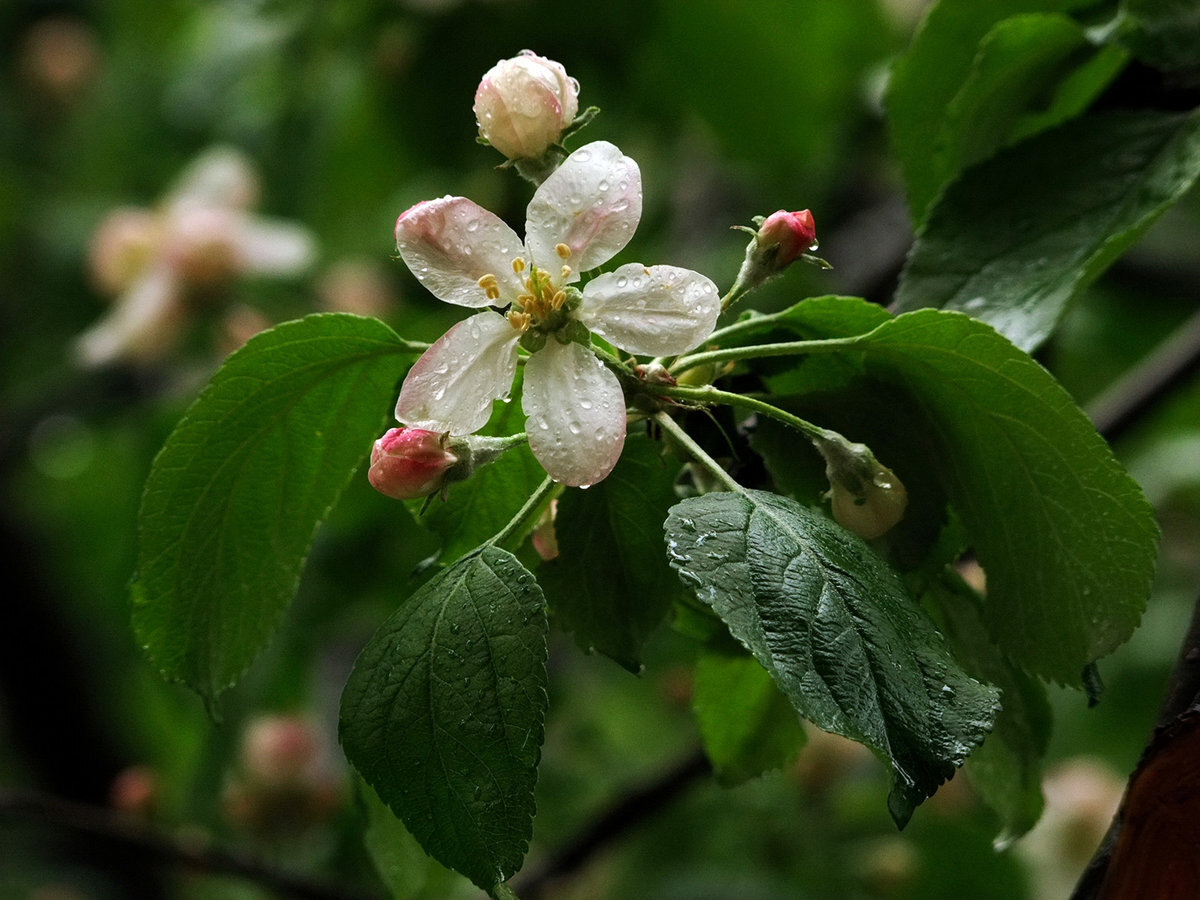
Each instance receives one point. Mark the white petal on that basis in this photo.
(592, 203)
(142, 326)
(450, 243)
(273, 247)
(660, 311)
(221, 177)
(576, 413)
(452, 386)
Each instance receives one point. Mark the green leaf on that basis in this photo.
(237, 492)
(746, 723)
(1065, 535)
(836, 630)
(610, 584)
(1018, 236)
(1007, 769)
(1163, 33)
(1012, 90)
(928, 77)
(443, 713)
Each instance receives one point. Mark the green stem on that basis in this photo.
(676, 431)
(545, 490)
(755, 351)
(709, 394)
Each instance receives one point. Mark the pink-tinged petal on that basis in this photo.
(452, 386)
(142, 326)
(592, 203)
(576, 413)
(450, 243)
(659, 311)
(273, 247)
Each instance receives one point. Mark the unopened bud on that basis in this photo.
(867, 497)
(407, 463)
(781, 239)
(523, 105)
(787, 236)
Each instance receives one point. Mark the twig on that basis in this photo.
(1132, 395)
(619, 819)
(191, 852)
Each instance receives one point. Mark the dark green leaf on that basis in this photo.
(238, 490)
(405, 869)
(747, 724)
(443, 714)
(1007, 769)
(836, 630)
(1066, 536)
(1014, 239)
(610, 584)
(1163, 33)
(929, 76)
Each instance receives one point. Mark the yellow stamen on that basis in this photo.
(566, 273)
(518, 265)
(519, 320)
(491, 287)
(562, 250)
(557, 300)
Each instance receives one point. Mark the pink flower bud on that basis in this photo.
(409, 462)
(793, 233)
(523, 104)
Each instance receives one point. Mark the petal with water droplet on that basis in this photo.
(579, 445)
(564, 210)
(452, 386)
(658, 311)
(452, 242)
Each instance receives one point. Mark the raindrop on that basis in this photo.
(603, 186)
(622, 281)
(583, 155)
(575, 428)
(585, 404)
(473, 225)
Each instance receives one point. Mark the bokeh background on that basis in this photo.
(350, 112)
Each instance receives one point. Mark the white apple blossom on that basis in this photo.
(202, 235)
(579, 218)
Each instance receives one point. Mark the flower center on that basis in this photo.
(540, 304)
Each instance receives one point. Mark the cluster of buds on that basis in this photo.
(866, 496)
(409, 463)
(157, 262)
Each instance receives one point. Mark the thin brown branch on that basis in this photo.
(622, 817)
(197, 854)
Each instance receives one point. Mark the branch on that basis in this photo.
(620, 818)
(154, 845)
(1157, 826)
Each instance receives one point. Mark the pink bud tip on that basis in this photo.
(794, 233)
(409, 462)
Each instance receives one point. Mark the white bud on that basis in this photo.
(523, 104)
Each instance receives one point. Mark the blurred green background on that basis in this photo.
(351, 112)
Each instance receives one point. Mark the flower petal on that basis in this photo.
(142, 326)
(450, 243)
(660, 311)
(592, 203)
(576, 413)
(272, 246)
(452, 386)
